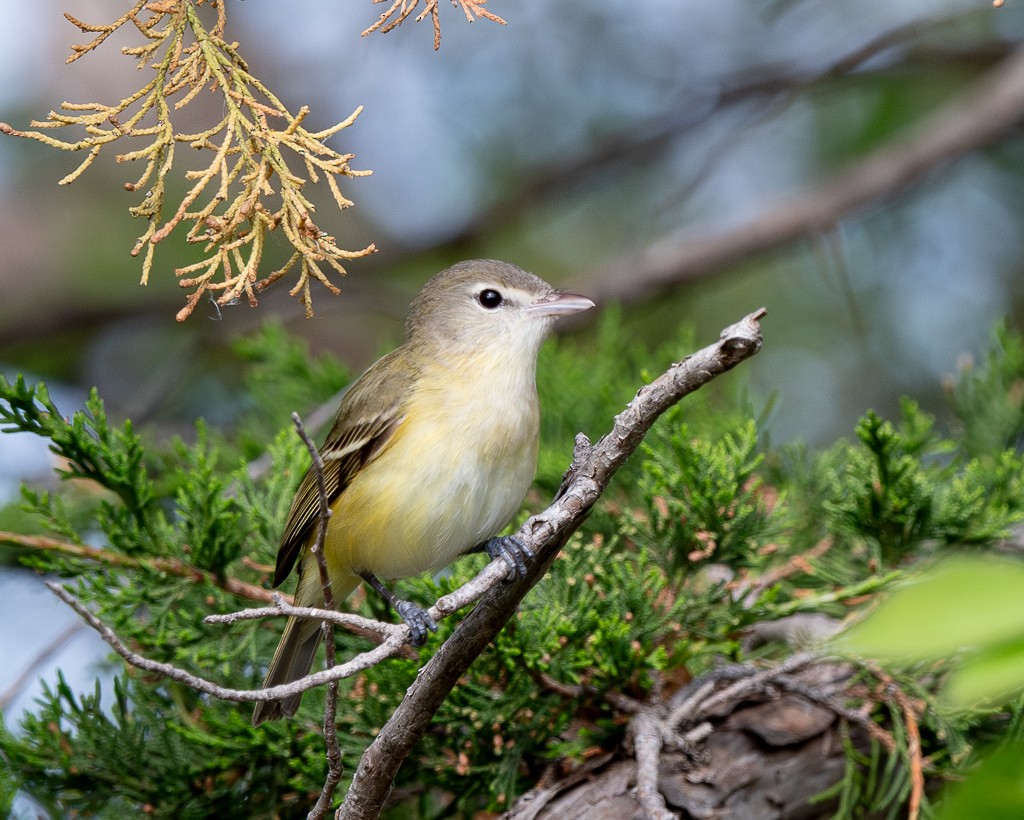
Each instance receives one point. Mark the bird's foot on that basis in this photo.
(512, 551)
(417, 619)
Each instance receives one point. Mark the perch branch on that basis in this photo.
(546, 533)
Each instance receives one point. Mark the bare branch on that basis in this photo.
(641, 139)
(357, 623)
(974, 119)
(391, 646)
(755, 682)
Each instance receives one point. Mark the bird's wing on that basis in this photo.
(369, 415)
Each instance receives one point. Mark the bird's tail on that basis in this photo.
(294, 655)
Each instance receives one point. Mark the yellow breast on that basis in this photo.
(453, 475)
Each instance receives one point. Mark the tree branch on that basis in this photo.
(391, 646)
(974, 119)
(642, 139)
(546, 533)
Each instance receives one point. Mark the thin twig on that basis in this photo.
(831, 702)
(391, 646)
(753, 588)
(357, 623)
(755, 683)
(914, 753)
(334, 770)
(368, 628)
(683, 713)
(916, 760)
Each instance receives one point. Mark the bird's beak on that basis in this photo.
(558, 303)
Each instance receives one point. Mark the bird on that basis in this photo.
(432, 451)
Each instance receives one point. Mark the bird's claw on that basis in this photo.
(418, 620)
(512, 551)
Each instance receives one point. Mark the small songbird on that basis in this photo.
(432, 452)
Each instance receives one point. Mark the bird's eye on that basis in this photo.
(490, 298)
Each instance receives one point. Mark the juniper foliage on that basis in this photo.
(655, 590)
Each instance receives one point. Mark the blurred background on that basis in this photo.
(855, 167)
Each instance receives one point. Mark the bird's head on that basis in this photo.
(484, 304)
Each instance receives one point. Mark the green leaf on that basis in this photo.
(994, 792)
(962, 603)
(993, 676)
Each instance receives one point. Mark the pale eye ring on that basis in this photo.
(490, 298)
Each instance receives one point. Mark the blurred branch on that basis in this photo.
(638, 142)
(42, 657)
(641, 140)
(974, 119)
